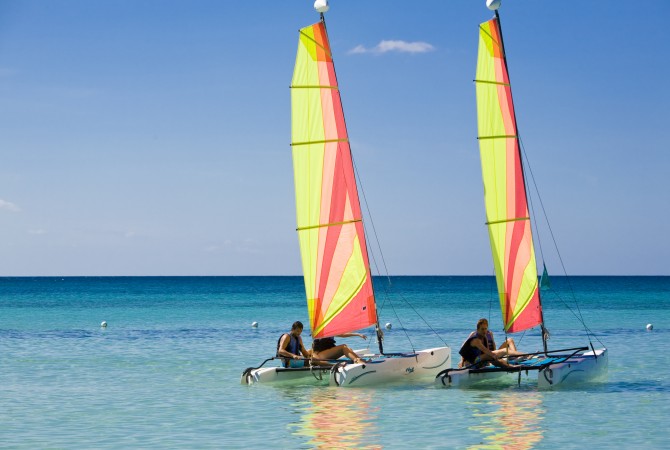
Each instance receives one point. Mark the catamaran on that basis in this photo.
(509, 227)
(336, 268)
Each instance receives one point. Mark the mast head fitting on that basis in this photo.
(321, 6)
(493, 4)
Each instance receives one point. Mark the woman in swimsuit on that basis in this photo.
(325, 348)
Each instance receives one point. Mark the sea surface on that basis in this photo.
(165, 372)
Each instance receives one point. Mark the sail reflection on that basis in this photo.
(339, 418)
(514, 420)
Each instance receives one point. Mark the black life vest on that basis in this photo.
(292, 347)
(470, 353)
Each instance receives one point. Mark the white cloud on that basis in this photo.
(394, 46)
(37, 231)
(9, 206)
(358, 49)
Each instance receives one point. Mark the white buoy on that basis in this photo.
(493, 4)
(103, 324)
(321, 6)
(254, 325)
(388, 326)
(650, 327)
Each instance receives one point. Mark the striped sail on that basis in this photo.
(335, 264)
(504, 191)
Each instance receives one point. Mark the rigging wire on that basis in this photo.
(379, 249)
(372, 254)
(386, 272)
(579, 315)
(537, 191)
(351, 156)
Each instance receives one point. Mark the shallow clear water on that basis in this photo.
(165, 372)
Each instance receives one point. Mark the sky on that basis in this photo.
(151, 137)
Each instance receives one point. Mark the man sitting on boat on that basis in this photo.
(479, 348)
(290, 344)
(325, 349)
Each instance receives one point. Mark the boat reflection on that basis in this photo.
(509, 420)
(339, 418)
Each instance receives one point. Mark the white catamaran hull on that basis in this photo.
(314, 375)
(581, 368)
(424, 364)
(280, 375)
(380, 369)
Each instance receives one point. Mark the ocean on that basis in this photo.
(165, 372)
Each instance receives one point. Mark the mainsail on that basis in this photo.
(507, 215)
(335, 263)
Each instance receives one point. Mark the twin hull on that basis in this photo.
(584, 367)
(301, 375)
(403, 368)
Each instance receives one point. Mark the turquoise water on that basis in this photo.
(165, 372)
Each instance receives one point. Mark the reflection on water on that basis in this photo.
(338, 418)
(509, 419)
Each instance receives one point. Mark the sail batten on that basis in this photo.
(505, 197)
(323, 141)
(314, 87)
(316, 42)
(500, 83)
(338, 284)
(504, 136)
(512, 219)
(327, 225)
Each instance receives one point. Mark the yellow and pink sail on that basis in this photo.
(505, 197)
(334, 255)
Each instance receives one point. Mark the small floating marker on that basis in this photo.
(321, 6)
(388, 326)
(650, 327)
(103, 324)
(254, 324)
(493, 4)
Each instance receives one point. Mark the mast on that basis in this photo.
(523, 172)
(378, 330)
